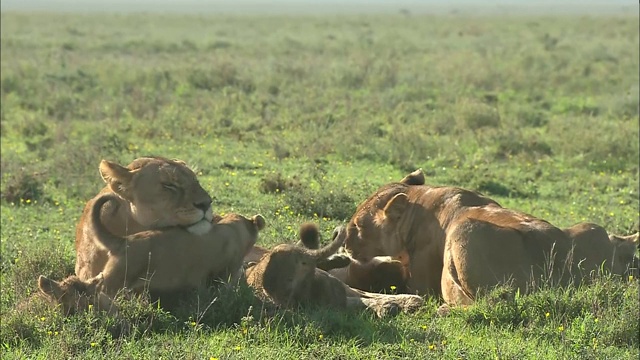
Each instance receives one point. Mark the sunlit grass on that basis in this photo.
(540, 113)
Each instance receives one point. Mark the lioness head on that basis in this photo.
(161, 192)
(373, 229)
(74, 295)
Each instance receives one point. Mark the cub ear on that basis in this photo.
(50, 288)
(117, 177)
(396, 207)
(415, 178)
(259, 221)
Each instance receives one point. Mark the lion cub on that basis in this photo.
(379, 275)
(173, 258)
(74, 295)
(287, 274)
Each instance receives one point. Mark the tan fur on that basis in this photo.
(173, 259)
(153, 192)
(461, 242)
(386, 274)
(310, 238)
(255, 254)
(287, 275)
(380, 274)
(74, 295)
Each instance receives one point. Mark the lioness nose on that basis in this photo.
(203, 205)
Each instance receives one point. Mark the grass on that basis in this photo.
(299, 119)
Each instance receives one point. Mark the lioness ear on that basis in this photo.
(117, 177)
(49, 287)
(259, 221)
(396, 207)
(415, 178)
(179, 162)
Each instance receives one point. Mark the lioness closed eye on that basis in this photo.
(153, 192)
(172, 258)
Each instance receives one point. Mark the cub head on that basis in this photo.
(75, 295)
(384, 274)
(377, 226)
(625, 250)
(290, 269)
(161, 192)
(246, 229)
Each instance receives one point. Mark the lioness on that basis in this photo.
(153, 192)
(460, 242)
(173, 258)
(74, 295)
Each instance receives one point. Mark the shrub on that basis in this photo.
(475, 115)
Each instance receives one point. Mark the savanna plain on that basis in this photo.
(300, 118)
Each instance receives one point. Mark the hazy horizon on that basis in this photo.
(333, 6)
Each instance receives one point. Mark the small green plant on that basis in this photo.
(24, 189)
(475, 115)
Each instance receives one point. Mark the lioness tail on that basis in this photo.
(100, 232)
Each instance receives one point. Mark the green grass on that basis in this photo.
(541, 113)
